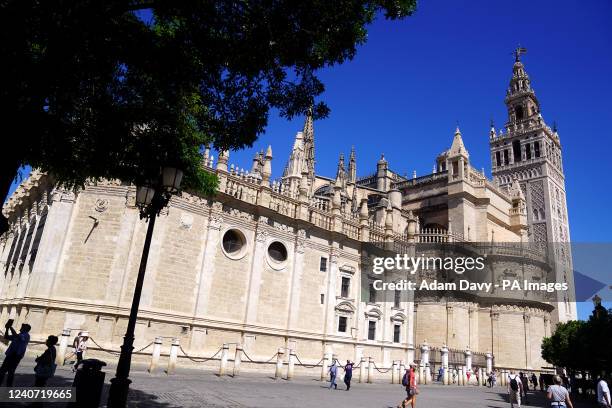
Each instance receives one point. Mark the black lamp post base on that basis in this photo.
(118, 392)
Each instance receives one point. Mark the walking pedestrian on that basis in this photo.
(333, 371)
(558, 395)
(45, 363)
(514, 389)
(409, 382)
(348, 374)
(15, 351)
(525, 387)
(603, 394)
(534, 381)
(80, 345)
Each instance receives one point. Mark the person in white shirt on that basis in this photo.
(515, 387)
(603, 394)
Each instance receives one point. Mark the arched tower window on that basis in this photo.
(518, 111)
(516, 150)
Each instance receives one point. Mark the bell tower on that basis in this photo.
(529, 151)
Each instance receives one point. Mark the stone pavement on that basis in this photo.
(198, 388)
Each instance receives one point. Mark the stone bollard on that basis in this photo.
(290, 364)
(325, 366)
(223, 359)
(362, 370)
(502, 378)
(468, 359)
(155, 354)
(402, 370)
(174, 347)
(444, 356)
(394, 372)
(424, 366)
(427, 374)
(279, 363)
(371, 370)
(489, 359)
(237, 359)
(63, 345)
(459, 376)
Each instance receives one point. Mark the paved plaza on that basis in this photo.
(198, 388)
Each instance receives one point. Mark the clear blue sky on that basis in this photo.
(450, 62)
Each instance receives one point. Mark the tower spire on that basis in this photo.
(352, 167)
(309, 145)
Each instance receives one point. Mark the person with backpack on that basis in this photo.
(409, 382)
(558, 395)
(515, 386)
(333, 371)
(45, 363)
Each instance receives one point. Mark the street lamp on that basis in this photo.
(150, 199)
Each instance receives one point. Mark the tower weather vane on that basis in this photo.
(518, 52)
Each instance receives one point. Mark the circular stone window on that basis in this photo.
(277, 254)
(234, 244)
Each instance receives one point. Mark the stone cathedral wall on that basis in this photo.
(195, 292)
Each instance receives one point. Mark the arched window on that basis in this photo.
(518, 111)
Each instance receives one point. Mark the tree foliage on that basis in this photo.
(582, 345)
(118, 88)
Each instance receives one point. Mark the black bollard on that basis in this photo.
(88, 383)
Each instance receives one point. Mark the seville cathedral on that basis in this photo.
(277, 263)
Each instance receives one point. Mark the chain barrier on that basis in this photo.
(144, 348)
(264, 362)
(383, 371)
(104, 349)
(199, 359)
(308, 365)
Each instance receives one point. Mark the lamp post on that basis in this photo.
(150, 200)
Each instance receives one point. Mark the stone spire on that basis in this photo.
(352, 167)
(296, 158)
(258, 161)
(266, 171)
(458, 158)
(301, 156)
(309, 146)
(341, 173)
(381, 174)
(458, 148)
